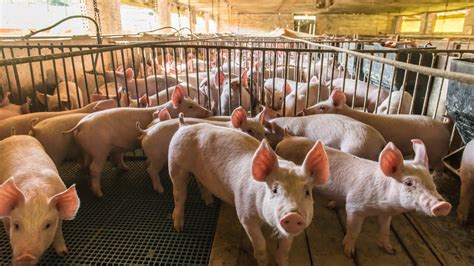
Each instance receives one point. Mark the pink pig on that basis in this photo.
(33, 200)
(396, 186)
(264, 188)
(8, 109)
(467, 182)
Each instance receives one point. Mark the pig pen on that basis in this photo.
(133, 225)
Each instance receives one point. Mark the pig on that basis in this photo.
(33, 200)
(110, 90)
(70, 97)
(154, 84)
(57, 145)
(163, 96)
(21, 124)
(155, 140)
(360, 92)
(113, 132)
(192, 78)
(8, 109)
(404, 96)
(467, 182)
(296, 101)
(336, 131)
(399, 129)
(327, 65)
(264, 188)
(397, 186)
(235, 93)
(211, 89)
(274, 97)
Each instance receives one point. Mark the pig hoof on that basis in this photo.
(178, 222)
(331, 205)
(349, 248)
(98, 193)
(158, 188)
(61, 250)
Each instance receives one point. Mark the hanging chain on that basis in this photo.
(97, 16)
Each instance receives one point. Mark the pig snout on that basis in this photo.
(26, 259)
(441, 208)
(293, 223)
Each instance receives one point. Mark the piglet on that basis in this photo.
(156, 139)
(67, 96)
(399, 129)
(33, 200)
(396, 186)
(164, 95)
(8, 109)
(57, 145)
(299, 98)
(395, 99)
(274, 96)
(21, 124)
(358, 94)
(336, 131)
(467, 182)
(264, 188)
(113, 132)
(235, 93)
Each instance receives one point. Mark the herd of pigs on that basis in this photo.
(266, 166)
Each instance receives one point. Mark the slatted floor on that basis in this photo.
(418, 240)
(131, 224)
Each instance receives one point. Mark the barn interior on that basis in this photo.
(96, 98)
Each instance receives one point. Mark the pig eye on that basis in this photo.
(307, 193)
(17, 227)
(321, 108)
(190, 107)
(47, 226)
(249, 131)
(408, 183)
(275, 189)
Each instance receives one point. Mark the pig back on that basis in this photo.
(24, 158)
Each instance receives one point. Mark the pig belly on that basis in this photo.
(214, 185)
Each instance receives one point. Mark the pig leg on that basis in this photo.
(353, 226)
(117, 159)
(153, 170)
(58, 243)
(180, 179)
(252, 227)
(95, 168)
(284, 246)
(467, 189)
(383, 237)
(206, 196)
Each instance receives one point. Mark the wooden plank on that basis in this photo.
(325, 236)
(367, 250)
(226, 244)
(450, 245)
(413, 242)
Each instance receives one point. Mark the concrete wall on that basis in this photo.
(354, 24)
(257, 23)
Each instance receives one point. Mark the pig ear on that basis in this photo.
(245, 79)
(219, 78)
(129, 74)
(264, 162)
(10, 197)
(287, 88)
(5, 100)
(105, 104)
(314, 79)
(164, 115)
(391, 161)
(178, 96)
(67, 203)
(41, 97)
(25, 108)
(144, 100)
(421, 156)
(238, 117)
(338, 98)
(316, 164)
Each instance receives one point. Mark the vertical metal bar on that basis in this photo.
(66, 81)
(240, 75)
(84, 75)
(402, 89)
(31, 72)
(262, 91)
(297, 78)
(219, 104)
(35, 100)
(440, 88)
(393, 81)
(55, 76)
(166, 74)
(415, 89)
(7, 72)
(284, 91)
(208, 78)
(380, 84)
(115, 76)
(197, 76)
(17, 78)
(252, 99)
(359, 61)
(428, 91)
(134, 76)
(94, 68)
(230, 78)
(75, 80)
(186, 68)
(275, 59)
(145, 78)
(369, 80)
(309, 81)
(153, 64)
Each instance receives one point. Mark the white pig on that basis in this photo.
(335, 131)
(57, 145)
(232, 92)
(164, 95)
(21, 124)
(467, 182)
(8, 109)
(152, 83)
(113, 132)
(399, 129)
(263, 188)
(394, 102)
(396, 186)
(359, 96)
(70, 97)
(298, 98)
(155, 140)
(33, 200)
(274, 98)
